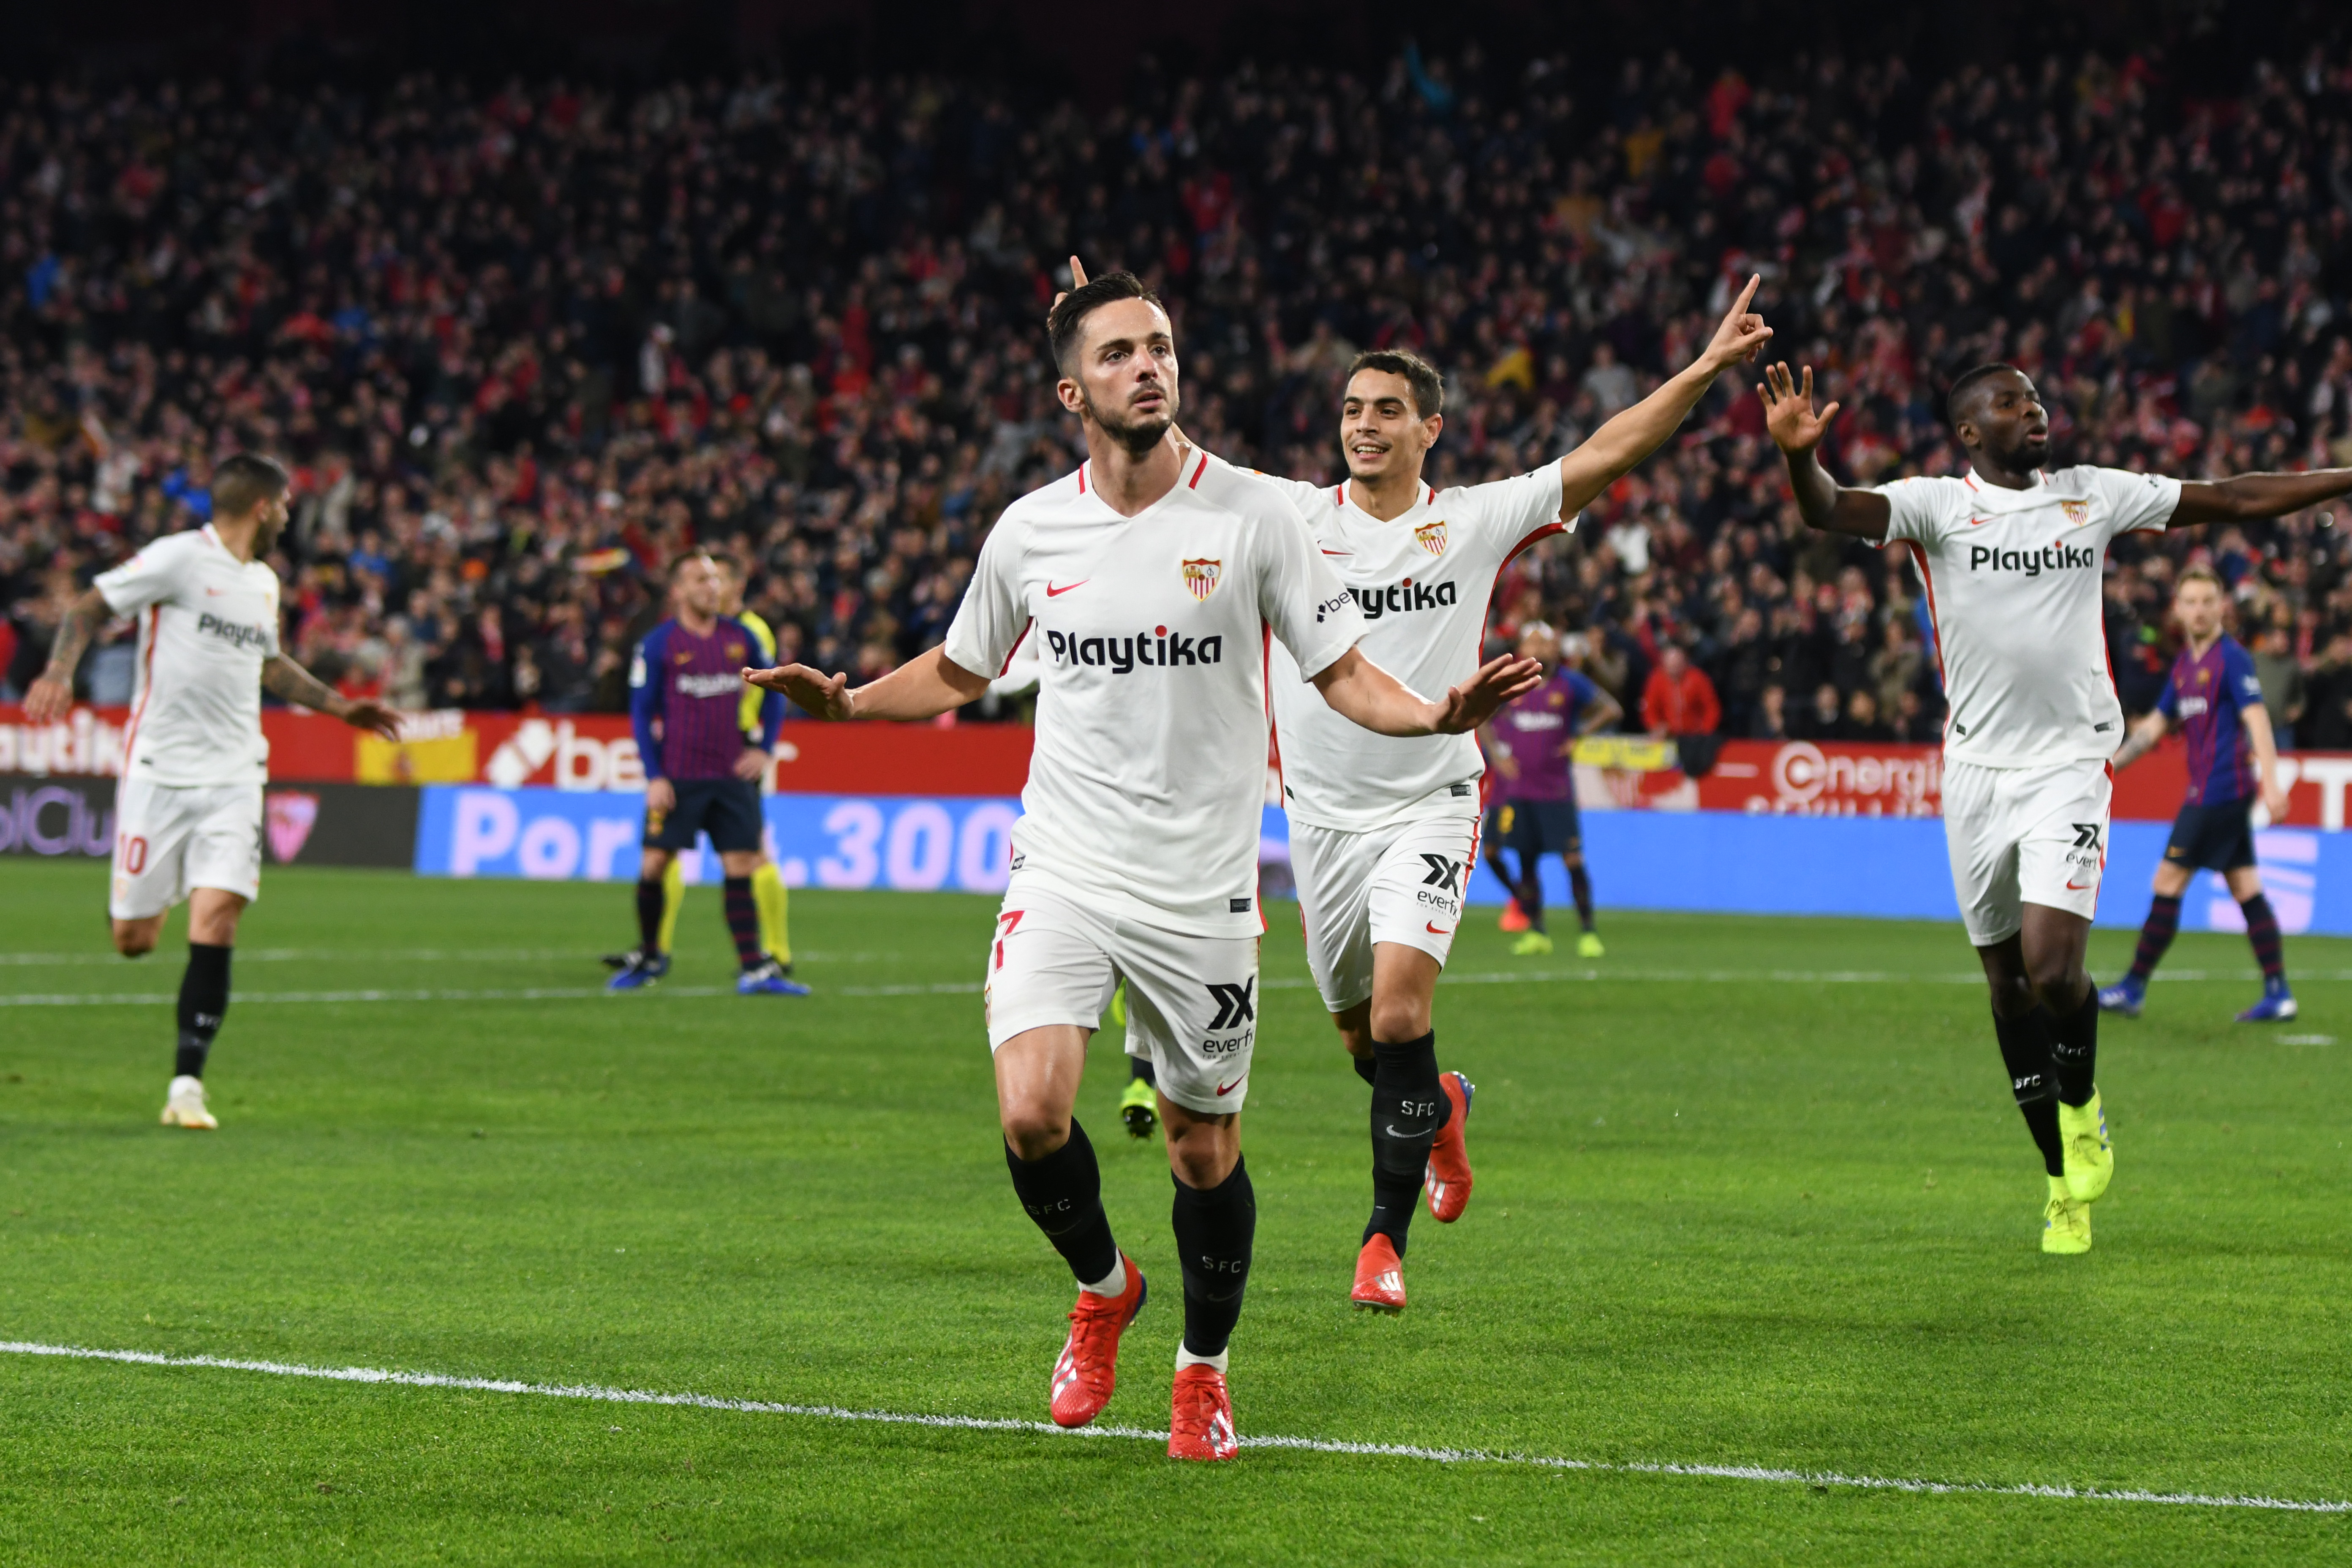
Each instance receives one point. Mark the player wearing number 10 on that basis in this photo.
(1153, 575)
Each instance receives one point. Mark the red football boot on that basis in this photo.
(1200, 1415)
(1514, 919)
(1088, 1370)
(1448, 1178)
(1380, 1277)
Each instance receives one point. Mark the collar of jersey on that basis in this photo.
(1188, 482)
(1986, 496)
(1348, 502)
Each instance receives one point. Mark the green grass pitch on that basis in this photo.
(1730, 1212)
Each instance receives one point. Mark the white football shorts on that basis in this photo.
(1401, 883)
(2026, 836)
(1192, 1000)
(171, 839)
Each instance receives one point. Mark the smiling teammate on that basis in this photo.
(1154, 577)
(2215, 694)
(188, 810)
(2012, 556)
(1384, 833)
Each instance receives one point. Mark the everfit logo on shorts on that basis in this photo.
(709, 685)
(2032, 562)
(1398, 598)
(1159, 649)
(230, 632)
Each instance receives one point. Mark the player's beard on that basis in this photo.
(1139, 434)
(266, 535)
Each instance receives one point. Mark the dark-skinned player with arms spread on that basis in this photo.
(1384, 832)
(1153, 577)
(188, 812)
(2013, 554)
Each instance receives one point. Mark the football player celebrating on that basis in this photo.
(1384, 833)
(2215, 694)
(1153, 576)
(187, 814)
(2013, 554)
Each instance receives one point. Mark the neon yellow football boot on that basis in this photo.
(1589, 945)
(2090, 1157)
(1533, 945)
(2065, 1221)
(1139, 1107)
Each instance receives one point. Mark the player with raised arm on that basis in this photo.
(1384, 833)
(188, 812)
(1154, 577)
(2217, 698)
(2012, 555)
(702, 772)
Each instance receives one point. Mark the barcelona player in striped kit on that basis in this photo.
(702, 769)
(2215, 696)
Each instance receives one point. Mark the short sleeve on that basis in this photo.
(1516, 510)
(1915, 509)
(150, 577)
(1581, 688)
(989, 624)
(2136, 503)
(1299, 596)
(2246, 684)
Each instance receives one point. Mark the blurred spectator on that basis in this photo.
(2282, 679)
(1679, 699)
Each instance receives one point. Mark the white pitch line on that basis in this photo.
(389, 955)
(972, 988)
(1443, 1456)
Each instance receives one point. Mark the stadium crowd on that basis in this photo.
(524, 344)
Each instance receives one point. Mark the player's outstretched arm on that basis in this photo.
(51, 693)
(925, 687)
(2141, 741)
(1797, 430)
(1632, 434)
(2257, 721)
(1359, 689)
(290, 682)
(2251, 498)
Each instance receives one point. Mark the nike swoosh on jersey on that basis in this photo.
(1053, 593)
(1225, 1088)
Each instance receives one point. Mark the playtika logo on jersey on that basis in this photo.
(1201, 577)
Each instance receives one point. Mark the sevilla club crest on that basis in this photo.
(290, 815)
(1431, 536)
(1201, 577)
(2078, 512)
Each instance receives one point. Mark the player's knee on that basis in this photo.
(133, 940)
(2055, 977)
(1033, 1131)
(1400, 1018)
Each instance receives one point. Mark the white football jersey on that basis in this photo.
(207, 622)
(1422, 581)
(2015, 583)
(1148, 775)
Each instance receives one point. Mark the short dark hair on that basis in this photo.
(1428, 386)
(245, 479)
(723, 561)
(1064, 322)
(678, 563)
(1969, 378)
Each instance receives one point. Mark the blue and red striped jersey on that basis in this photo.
(692, 687)
(2205, 695)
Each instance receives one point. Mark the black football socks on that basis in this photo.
(1528, 892)
(1214, 1228)
(204, 1002)
(743, 922)
(2025, 1049)
(1579, 884)
(2156, 934)
(650, 917)
(1408, 1108)
(1063, 1193)
(2074, 1048)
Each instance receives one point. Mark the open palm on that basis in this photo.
(1789, 409)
